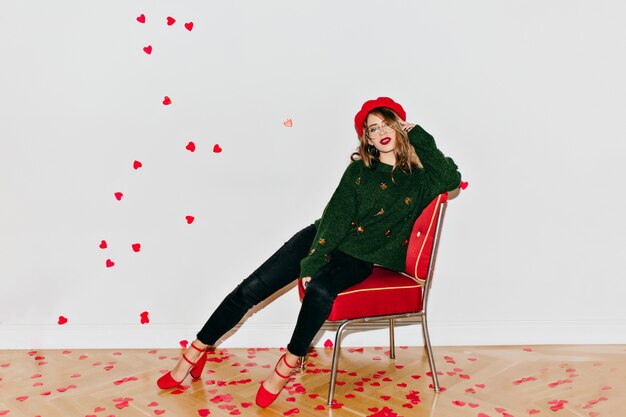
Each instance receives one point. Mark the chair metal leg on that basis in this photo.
(302, 363)
(429, 350)
(392, 342)
(333, 369)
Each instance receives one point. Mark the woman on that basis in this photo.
(395, 173)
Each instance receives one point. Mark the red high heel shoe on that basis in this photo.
(263, 397)
(167, 381)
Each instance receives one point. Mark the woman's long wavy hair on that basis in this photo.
(406, 158)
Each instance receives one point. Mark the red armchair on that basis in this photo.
(387, 295)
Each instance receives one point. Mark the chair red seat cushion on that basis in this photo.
(383, 292)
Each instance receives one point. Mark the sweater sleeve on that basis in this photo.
(335, 222)
(440, 171)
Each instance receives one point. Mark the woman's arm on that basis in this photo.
(440, 171)
(335, 222)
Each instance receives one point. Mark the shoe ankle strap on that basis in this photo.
(284, 359)
(197, 348)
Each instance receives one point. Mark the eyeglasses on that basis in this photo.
(377, 130)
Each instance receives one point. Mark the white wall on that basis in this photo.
(528, 97)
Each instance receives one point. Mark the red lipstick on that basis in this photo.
(385, 141)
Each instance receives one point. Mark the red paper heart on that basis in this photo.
(110, 263)
(122, 404)
(98, 409)
(170, 20)
(141, 18)
(191, 147)
(103, 244)
(4, 412)
(203, 412)
(483, 415)
(288, 123)
(22, 398)
(463, 185)
(153, 404)
(183, 344)
(62, 320)
(216, 148)
(167, 101)
(246, 405)
(320, 407)
(190, 219)
(137, 164)
(328, 344)
(533, 411)
(136, 247)
(189, 26)
(118, 196)
(148, 49)
(144, 317)
(159, 412)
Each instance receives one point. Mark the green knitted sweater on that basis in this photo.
(370, 217)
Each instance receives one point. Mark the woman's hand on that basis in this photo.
(305, 282)
(406, 126)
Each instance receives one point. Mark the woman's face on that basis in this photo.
(380, 135)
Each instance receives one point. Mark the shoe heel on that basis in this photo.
(198, 368)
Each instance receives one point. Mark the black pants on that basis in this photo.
(281, 269)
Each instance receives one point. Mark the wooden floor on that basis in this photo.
(516, 381)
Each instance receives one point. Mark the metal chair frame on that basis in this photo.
(421, 315)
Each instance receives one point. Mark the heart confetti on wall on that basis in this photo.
(189, 219)
(62, 320)
(148, 49)
(170, 20)
(167, 101)
(141, 18)
(191, 147)
(288, 123)
(216, 148)
(189, 26)
(144, 319)
(118, 196)
(103, 244)
(137, 164)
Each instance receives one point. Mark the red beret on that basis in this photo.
(370, 105)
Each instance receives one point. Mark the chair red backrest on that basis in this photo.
(422, 238)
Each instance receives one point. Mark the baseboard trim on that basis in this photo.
(408, 333)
